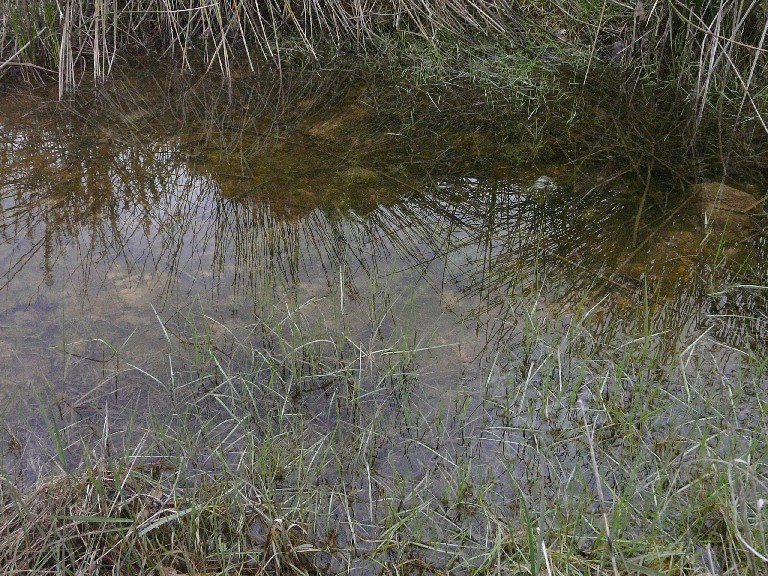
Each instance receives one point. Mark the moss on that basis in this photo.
(359, 176)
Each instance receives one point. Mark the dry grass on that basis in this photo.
(69, 37)
(714, 51)
(108, 519)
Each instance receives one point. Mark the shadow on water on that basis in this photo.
(123, 218)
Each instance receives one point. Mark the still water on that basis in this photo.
(140, 216)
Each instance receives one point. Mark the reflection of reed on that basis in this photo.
(163, 211)
(57, 204)
(142, 210)
(500, 244)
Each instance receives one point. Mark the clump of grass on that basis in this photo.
(44, 34)
(128, 517)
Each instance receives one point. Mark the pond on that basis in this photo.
(145, 217)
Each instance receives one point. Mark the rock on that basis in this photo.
(544, 183)
(725, 207)
(542, 188)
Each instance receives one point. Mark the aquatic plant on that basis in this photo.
(291, 446)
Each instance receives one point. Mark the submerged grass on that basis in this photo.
(293, 446)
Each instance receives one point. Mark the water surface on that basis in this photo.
(129, 224)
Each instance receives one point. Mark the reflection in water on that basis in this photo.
(105, 236)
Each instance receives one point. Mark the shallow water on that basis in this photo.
(128, 225)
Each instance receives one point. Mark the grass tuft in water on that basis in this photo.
(296, 447)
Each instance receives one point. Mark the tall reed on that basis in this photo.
(61, 36)
(711, 50)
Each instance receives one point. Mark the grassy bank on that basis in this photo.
(713, 51)
(292, 446)
(674, 91)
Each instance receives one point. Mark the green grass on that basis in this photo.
(293, 447)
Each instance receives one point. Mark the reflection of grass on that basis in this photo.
(292, 446)
(296, 444)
